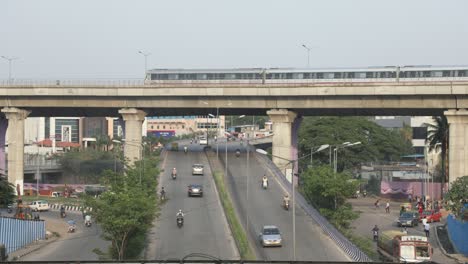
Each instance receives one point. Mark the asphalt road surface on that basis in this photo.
(70, 246)
(264, 207)
(205, 229)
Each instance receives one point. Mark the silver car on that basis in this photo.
(271, 236)
(197, 169)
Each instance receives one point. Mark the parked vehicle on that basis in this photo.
(408, 219)
(270, 236)
(431, 216)
(39, 205)
(195, 190)
(399, 247)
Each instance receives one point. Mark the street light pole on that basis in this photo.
(308, 54)
(146, 54)
(217, 131)
(9, 59)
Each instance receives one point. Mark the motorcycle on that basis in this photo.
(174, 176)
(264, 184)
(180, 221)
(71, 226)
(10, 209)
(237, 153)
(286, 204)
(88, 223)
(376, 235)
(163, 196)
(185, 150)
(63, 214)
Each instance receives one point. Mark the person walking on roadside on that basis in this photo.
(387, 207)
(402, 210)
(427, 227)
(377, 204)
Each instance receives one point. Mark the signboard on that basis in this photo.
(414, 238)
(162, 133)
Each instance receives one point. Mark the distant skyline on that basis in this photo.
(56, 39)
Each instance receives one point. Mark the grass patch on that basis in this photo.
(236, 228)
(363, 243)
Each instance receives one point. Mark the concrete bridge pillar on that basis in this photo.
(15, 135)
(458, 143)
(133, 119)
(285, 127)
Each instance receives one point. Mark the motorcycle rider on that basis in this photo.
(88, 220)
(174, 172)
(62, 211)
(286, 200)
(180, 214)
(264, 181)
(375, 232)
(185, 149)
(162, 194)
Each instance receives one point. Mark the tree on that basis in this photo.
(378, 143)
(328, 192)
(7, 192)
(458, 195)
(126, 211)
(438, 139)
(86, 166)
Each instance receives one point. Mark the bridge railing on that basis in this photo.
(73, 82)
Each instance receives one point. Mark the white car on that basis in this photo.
(39, 205)
(197, 169)
(203, 141)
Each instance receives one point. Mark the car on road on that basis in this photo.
(39, 205)
(195, 190)
(408, 219)
(271, 236)
(203, 141)
(430, 215)
(197, 169)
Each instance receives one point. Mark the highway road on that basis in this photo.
(264, 207)
(205, 229)
(70, 246)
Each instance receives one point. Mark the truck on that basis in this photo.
(400, 247)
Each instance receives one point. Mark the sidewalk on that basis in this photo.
(369, 216)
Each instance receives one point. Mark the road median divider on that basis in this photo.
(238, 232)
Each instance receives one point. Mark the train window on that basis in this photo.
(436, 74)
(319, 75)
(462, 73)
(238, 76)
(369, 75)
(351, 75)
(412, 74)
(173, 76)
(201, 76)
(154, 77)
(230, 76)
(306, 75)
(360, 75)
(289, 75)
(446, 74)
(297, 76)
(337, 75)
(163, 77)
(210, 76)
(426, 74)
(328, 75)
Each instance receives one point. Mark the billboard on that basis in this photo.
(162, 133)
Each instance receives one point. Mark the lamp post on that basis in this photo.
(146, 54)
(9, 59)
(308, 54)
(335, 161)
(322, 147)
(261, 151)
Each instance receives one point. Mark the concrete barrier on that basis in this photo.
(17, 233)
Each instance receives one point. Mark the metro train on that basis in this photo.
(296, 75)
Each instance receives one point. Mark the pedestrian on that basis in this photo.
(420, 209)
(377, 203)
(387, 207)
(410, 198)
(404, 230)
(402, 210)
(84, 214)
(427, 227)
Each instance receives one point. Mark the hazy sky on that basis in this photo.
(101, 39)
